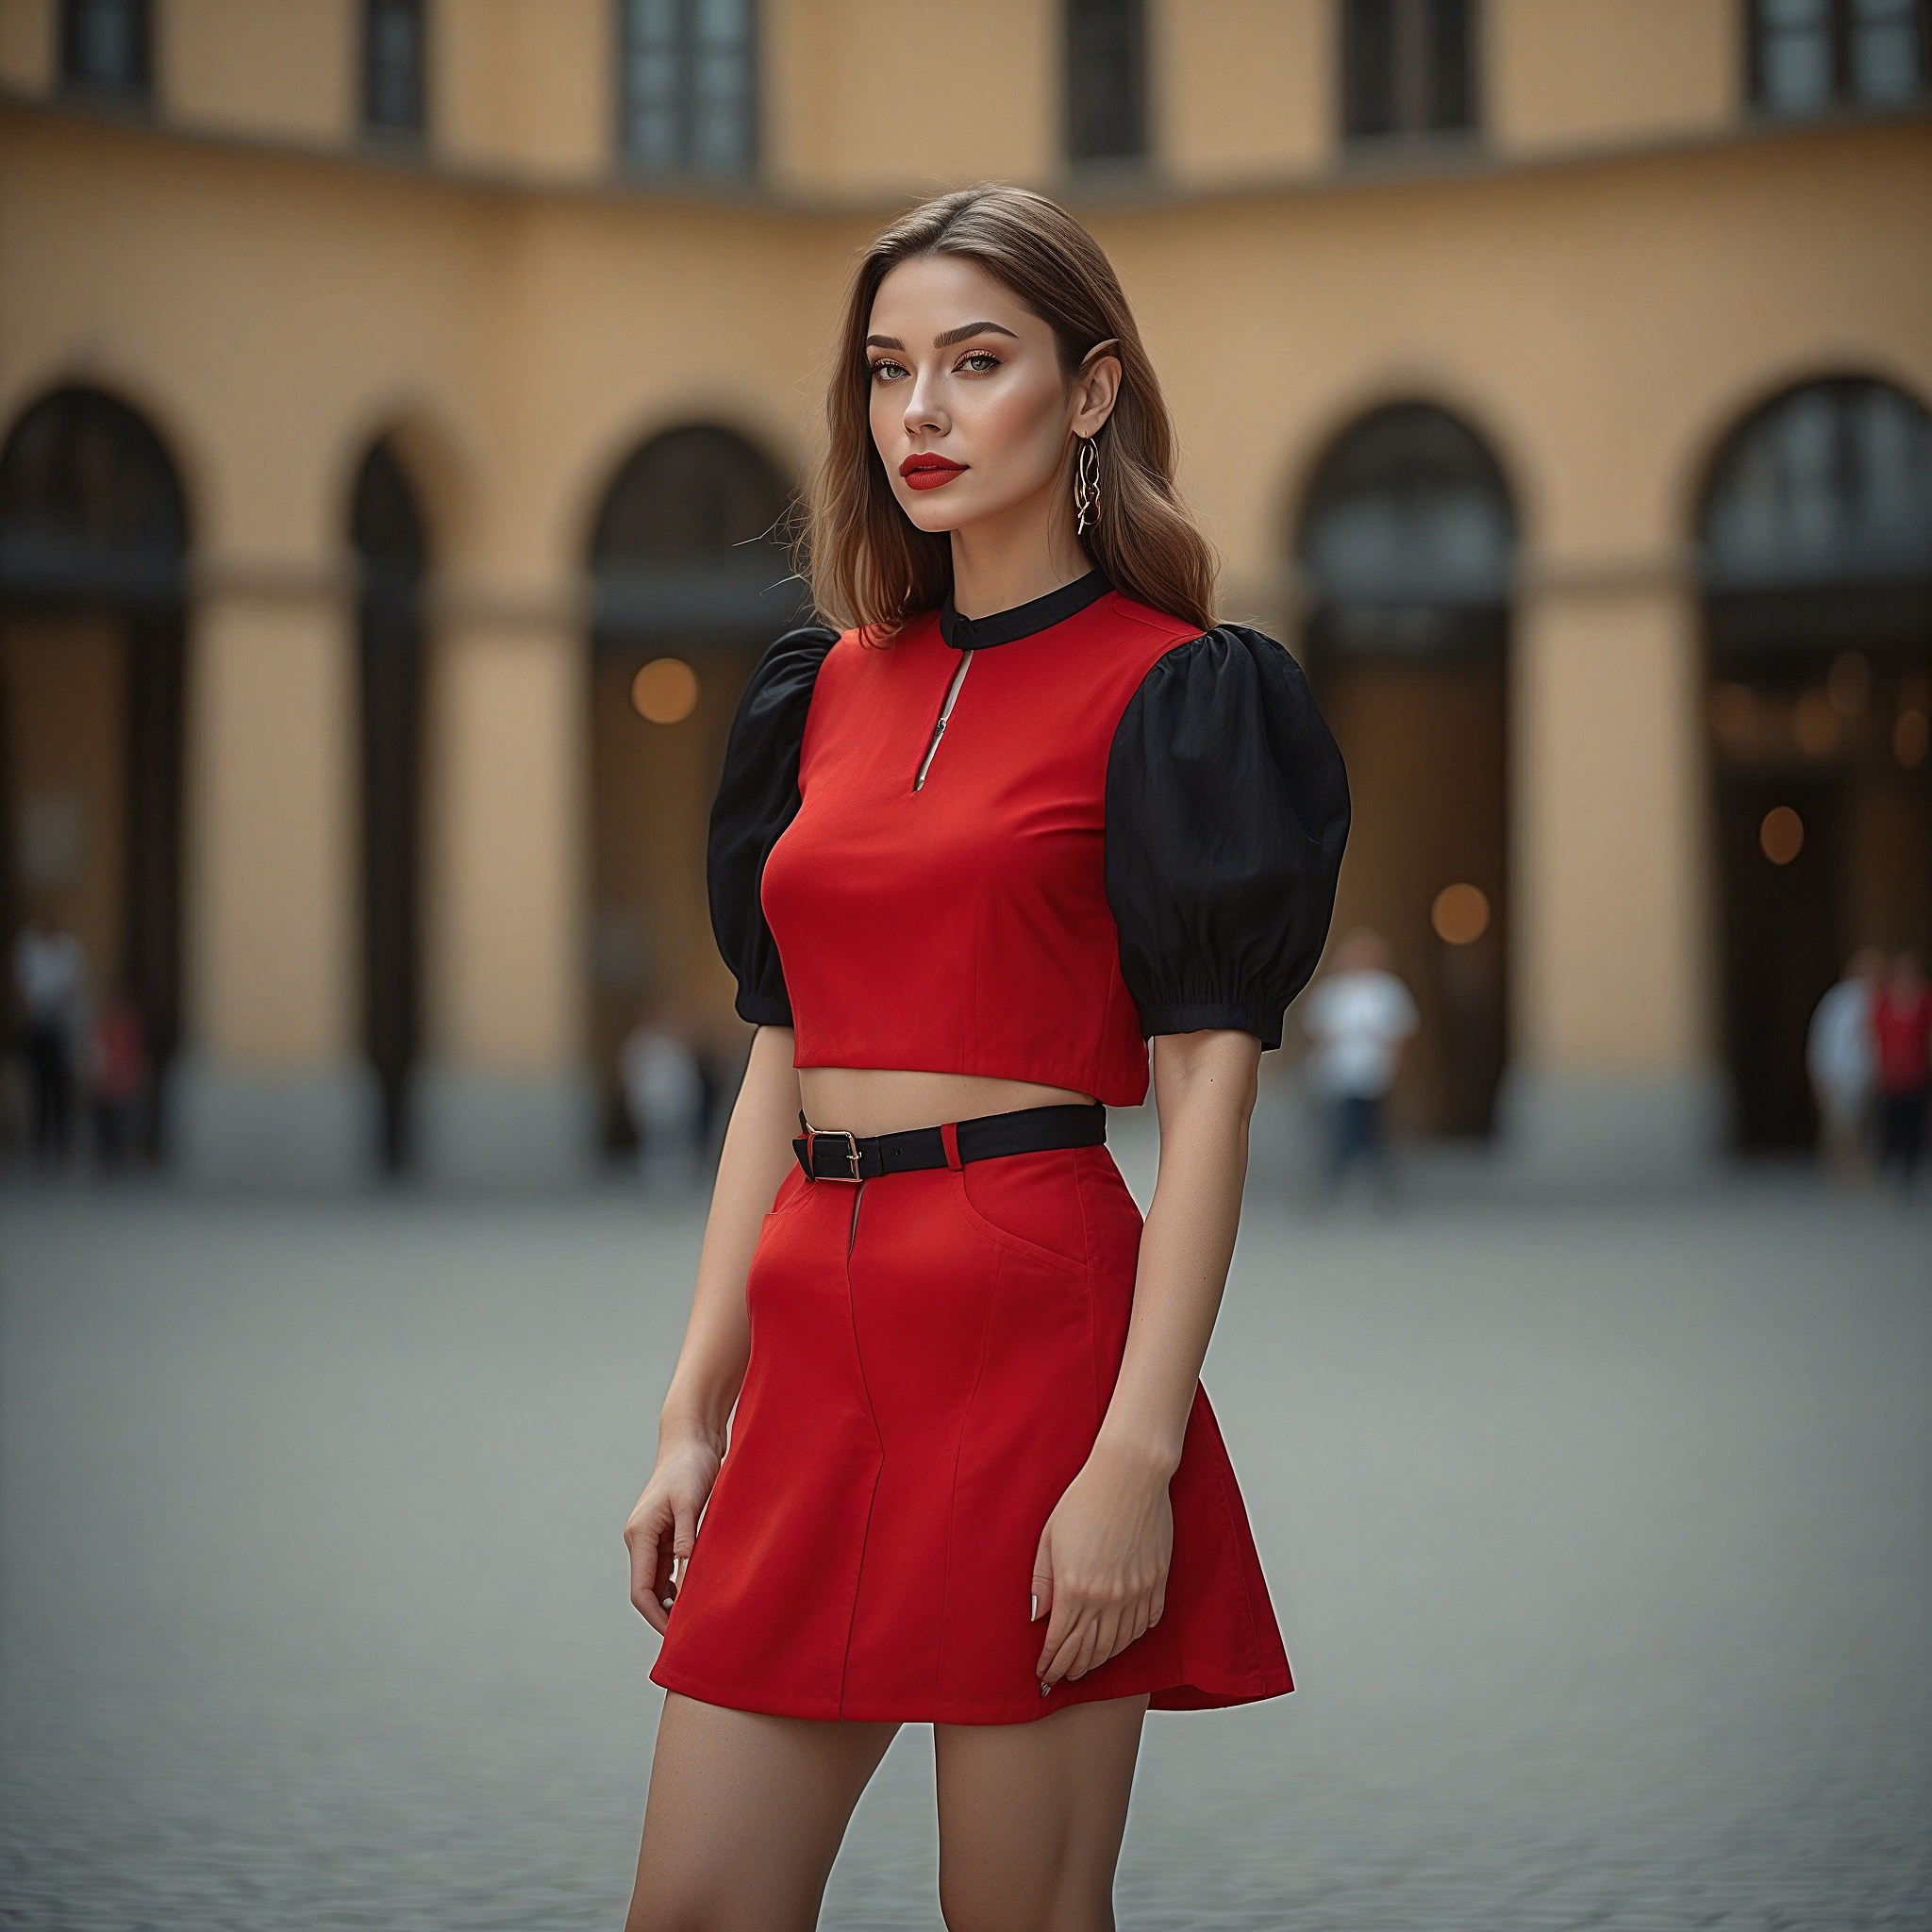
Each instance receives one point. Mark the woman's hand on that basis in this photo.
(664, 1526)
(1099, 1580)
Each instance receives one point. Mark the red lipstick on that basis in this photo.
(928, 472)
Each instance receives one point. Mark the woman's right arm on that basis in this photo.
(717, 1340)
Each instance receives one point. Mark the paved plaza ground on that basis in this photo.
(1600, 1534)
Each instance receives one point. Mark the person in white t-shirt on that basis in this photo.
(1360, 1016)
(664, 1096)
(50, 974)
(1842, 1058)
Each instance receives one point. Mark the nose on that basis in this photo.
(924, 413)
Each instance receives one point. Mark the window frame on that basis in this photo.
(686, 168)
(413, 132)
(1842, 34)
(137, 89)
(1417, 64)
(1139, 153)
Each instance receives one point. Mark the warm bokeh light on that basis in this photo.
(1848, 683)
(1909, 736)
(665, 691)
(1781, 834)
(1460, 914)
(1816, 724)
(1734, 712)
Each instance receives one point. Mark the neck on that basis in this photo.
(1029, 550)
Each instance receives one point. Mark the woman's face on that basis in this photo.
(971, 412)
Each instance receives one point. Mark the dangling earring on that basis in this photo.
(1086, 487)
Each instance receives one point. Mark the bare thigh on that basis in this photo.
(1031, 1818)
(744, 1817)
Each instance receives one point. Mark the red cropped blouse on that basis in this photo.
(1021, 845)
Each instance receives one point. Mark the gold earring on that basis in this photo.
(1086, 487)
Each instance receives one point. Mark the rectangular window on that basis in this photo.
(1810, 57)
(688, 87)
(1408, 67)
(1107, 81)
(394, 59)
(105, 49)
(1887, 56)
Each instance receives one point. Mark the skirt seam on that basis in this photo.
(872, 1415)
(938, 1667)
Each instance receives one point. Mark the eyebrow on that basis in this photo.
(947, 340)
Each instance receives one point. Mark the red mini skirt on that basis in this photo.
(931, 1356)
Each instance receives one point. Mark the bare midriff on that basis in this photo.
(883, 1100)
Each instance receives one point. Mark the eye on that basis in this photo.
(885, 370)
(980, 362)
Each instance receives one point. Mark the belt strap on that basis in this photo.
(838, 1156)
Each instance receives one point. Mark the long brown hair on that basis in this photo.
(868, 564)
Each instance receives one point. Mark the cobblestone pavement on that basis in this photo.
(1602, 1538)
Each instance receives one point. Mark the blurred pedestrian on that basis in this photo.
(117, 1072)
(1842, 1058)
(1902, 1019)
(663, 1098)
(50, 971)
(1360, 1017)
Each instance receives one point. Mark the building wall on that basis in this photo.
(1600, 311)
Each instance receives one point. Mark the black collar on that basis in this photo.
(1022, 620)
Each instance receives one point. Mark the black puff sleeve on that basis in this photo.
(758, 796)
(1226, 813)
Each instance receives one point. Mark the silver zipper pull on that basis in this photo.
(939, 723)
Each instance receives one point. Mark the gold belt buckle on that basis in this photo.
(814, 1136)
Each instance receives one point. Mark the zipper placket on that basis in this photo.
(939, 723)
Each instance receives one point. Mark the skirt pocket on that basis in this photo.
(1029, 1204)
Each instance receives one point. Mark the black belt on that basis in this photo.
(837, 1157)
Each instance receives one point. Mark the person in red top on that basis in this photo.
(119, 1076)
(936, 1449)
(1901, 1028)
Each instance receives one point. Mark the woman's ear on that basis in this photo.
(1096, 387)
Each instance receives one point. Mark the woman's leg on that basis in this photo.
(1031, 1818)
(744, 1817)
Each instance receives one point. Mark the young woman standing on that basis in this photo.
(1031, 811)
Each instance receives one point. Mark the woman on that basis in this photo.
(1030, 810)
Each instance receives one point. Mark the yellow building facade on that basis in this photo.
(383, 388)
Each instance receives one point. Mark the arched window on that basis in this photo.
(94, 530)
(1407, 537)
(693, 582)
(1831, 483)
(688, 542)
(1816, 532)
(1405, 548)
(90, 507)
(386, 529)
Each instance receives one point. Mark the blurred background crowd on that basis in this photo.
(401, 400)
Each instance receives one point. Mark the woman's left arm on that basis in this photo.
(1100, 1578)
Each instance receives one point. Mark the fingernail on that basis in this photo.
(1047, 1689)
(1033, 1615)
(667, 1603)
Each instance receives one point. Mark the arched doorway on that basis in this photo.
(693, 582)
(1816, 530)
(1406, 545)
(93, 531)
(386, 529)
